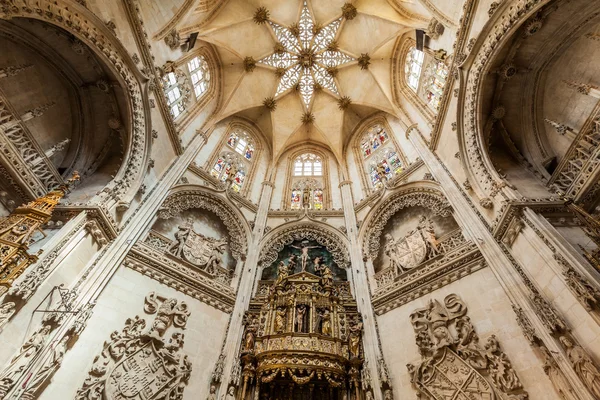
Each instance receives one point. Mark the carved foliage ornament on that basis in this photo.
(331, 241)
(428, 198)
(140, 362)
(454, 363)
(181, 201)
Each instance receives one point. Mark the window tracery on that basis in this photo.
(379, 153)
(307, 192)
(235, 158)
(413, 67)
(175, 93)
(434, 79)
(200, 75)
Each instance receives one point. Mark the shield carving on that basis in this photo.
(411, 250)
(197, 248)
(141, 376)
(452, 378)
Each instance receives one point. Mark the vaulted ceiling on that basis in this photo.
(237, 35)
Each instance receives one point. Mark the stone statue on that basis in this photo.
(559, 381)
(216, 256)
(306, 197)
(212, 395)
(382, 174)
(304, 254)
(231, 173)
(583, 365)
(501, 371)
(280, 320)
(355, 329)
(180, 236)
(301, 318)
(49, 367)
(438, 318)
(429, 236)
(20, 362)
(230, 395)
(219, 367)
(390, 251)
(249, 341)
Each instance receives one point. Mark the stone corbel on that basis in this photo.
(94, 229)
(514, 228)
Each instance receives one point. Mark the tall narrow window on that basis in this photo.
(307, 187)
(235, 159)
(173, 93)
(382, 160)
(200, 75)
(434, 79)
(414, 64)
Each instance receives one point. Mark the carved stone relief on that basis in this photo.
(140, 362)
(453, 362)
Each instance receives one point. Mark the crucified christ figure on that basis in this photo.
(304, 256)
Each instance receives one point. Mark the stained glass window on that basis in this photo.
(308, 165)
(414, 64)
(173, 94)
(200, 74)
(386, 165)
(309, 190)
(373, 139)
(222, 167)
(434, 80)
(241, 142)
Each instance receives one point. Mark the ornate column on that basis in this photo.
(244, 293)
(361, 291)
(97, 275)
(517, 286)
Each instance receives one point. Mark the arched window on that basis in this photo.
(200, 75)
(308, 165)
(380, 156)
(434, 79)
(307, 187)
(414, 64)
(176, 94)
(235, 159)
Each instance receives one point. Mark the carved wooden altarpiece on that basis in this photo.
(302, 339)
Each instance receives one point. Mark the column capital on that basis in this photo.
(268, 183)
(344, 183)
(411, 128)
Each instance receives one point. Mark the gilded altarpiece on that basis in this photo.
(302, 333)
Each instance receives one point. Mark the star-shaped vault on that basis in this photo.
(306, 56)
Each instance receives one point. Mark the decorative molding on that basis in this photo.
(452, 359)
(422, 196)
(186, 198)
(112, 374)
(455, 265)
(279, 238)
(181, 277)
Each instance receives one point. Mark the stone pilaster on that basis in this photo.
(361, 289)
(501, 265)
(244, 293)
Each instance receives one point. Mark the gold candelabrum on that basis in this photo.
(17, 229)
(303, 334)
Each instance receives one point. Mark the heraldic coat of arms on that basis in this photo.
(454, 365)
(138, 363)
